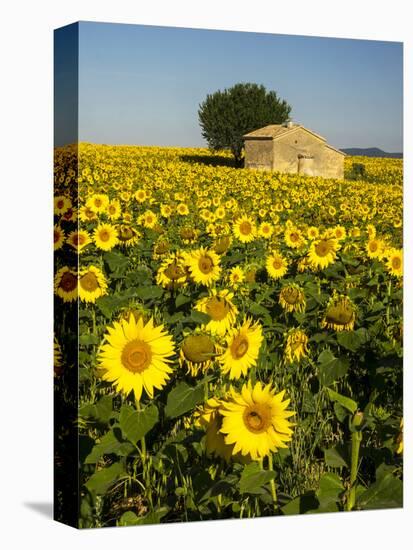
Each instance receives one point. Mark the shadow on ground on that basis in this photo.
(210, 160)
(43, 508)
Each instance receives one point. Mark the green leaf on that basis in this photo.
(100, 412)
(101, 480)
(345, 402)
(183, 398)
(181, 299)
(199, 317)
(88, 339)
(136, 424)
(110, 443)
(336, 457)
(253, 478)
(301, 504)
(352, 340)
(116, 261)
(331, 368)
(149, 292)
(330, 489)
(386, 492)
(130, 518)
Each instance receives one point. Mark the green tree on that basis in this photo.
(226, 116)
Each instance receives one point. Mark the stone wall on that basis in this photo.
(259, 154)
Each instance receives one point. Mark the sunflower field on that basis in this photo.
(228, 342)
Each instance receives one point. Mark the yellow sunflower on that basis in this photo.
(210, 418)
(58, 237)
(105, 236)
(322, 252)
(113, 210)
(375, 248)
(92, 284)
(292, 298)
(65, 284)
(265, 230)
(276, 265)
(148, 219)
(98, 202)
(394, 263)
(236, 276)
(78, 240)
(220, 308)
(296, 345)
(340, 314)
(61, 204)
(294, 237)
(197, 353)
(127, 235)
(140, 195)
(136, 356)
(204, 266)
(172, 272)
(244, 229)
(256, 420)
(243, 347)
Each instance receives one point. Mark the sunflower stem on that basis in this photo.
(272, 482)
(355, 450)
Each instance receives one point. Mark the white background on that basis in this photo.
(26, 270)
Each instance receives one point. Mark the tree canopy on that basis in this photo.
(225, 116)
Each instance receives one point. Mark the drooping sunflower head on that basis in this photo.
(172, 273)
(161, 247)
(222, 244)
(340, 314)
(292, 298)
(221, 310)
(204, 266)
(243, 346)
(296, 345)
(188, 235)
(256, 420)
(136, 356)
(92, 284)
(197, 353)
(127, 235)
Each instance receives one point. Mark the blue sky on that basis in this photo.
(143, 84)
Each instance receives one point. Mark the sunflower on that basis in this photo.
(61, 204)
(236, 276)
(182, 209)
(375, 248)
(394, 263)
(166, 210)
(322, 252)
(220, 308)
(58, 237)
(98, 202)
(65, 284)
(340, 314)
(172, 273)
(276, 265)
(127, 235)
(92, 284)
(135, 356)
(86, 214)
(312, 233)
(222, 244)
(148, 219)
(292, 298)
(294, 238)
(243, 346)
(339, 232)
(296, 345)
(197, 353)
(244, 229)
(399, 439)
(204, 266)
(78, 240)
(113, 210)
(105, 236)
(140, 195)
(256, 420)
(265, 230)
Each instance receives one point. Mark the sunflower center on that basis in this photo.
(239, 346)
(187, 233)
(126, 233)
(323, 248)
(339, 314)
(257, 418)
(245, 228)
(277, 263)
(98, 203)
(290, 295)
(174, 271)
(89, 282)
(68, 281)
(79, 239)
(205, 264)
(136, 356)
(294, 237)
(373, 246)
(217, 309)
(60, 203)
(396, 263)
(198, 348)
(104, 235)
